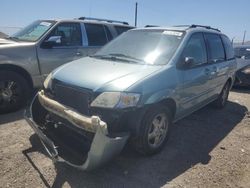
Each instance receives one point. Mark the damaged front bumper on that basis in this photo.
(103, 147)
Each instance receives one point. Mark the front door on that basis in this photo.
(195, 76)
(66, 50)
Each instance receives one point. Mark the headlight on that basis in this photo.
(246, 70)
(116, 100)
(47, 81)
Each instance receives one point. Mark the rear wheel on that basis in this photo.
(14, 91)
(221, 101)
(154, 130)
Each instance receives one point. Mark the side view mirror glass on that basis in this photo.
(189, 61)
(55, 39)
(52, 41)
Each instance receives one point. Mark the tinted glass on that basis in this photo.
(70, 34)
(196, 49)
(109, 36)
(96, 34)
(228, 47)
(216, 49)
(121, 29)
(144, 46)
(33, 31)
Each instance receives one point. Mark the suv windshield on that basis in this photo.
(33, 31)
(155, 47)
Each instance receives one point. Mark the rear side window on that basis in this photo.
(196, 49)
(228, 47)
(96, 34)
(215, 46)
(120, 29)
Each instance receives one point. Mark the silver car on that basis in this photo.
(27, 57)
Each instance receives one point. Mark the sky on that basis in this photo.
(230, 16)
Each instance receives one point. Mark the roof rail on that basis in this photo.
(151, 26)
(194, 26)
(204, 26)
(105, 20)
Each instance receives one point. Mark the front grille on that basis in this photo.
(76, 98)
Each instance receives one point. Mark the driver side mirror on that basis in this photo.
(189, 61)
(51, 42)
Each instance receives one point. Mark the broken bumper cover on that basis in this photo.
(103, 147)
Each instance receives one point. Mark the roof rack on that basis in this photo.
(105, 20)
(204, 26)
(194, 26)
(151, 26)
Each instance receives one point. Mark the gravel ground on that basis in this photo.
(210, 148)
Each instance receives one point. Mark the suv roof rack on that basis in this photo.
(195, 26)
(105, 20)
(151, 26)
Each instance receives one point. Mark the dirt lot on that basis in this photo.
(210, 148)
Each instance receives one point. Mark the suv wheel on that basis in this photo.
(221, 101)
(14, 91)
(154, 130)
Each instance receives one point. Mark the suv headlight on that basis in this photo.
(116, 100)
(47, 81)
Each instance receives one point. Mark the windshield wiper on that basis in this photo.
(133, 59)
(110, 57)
(13, 38)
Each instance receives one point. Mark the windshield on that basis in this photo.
(155, 47)
(33, 31)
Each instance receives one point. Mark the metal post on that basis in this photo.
(243, 41)
(136, 4)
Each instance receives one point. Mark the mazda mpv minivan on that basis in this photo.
(133, 89)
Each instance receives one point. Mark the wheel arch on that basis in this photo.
(19, 70)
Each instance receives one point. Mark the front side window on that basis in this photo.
(228, 47)
(153, 47)
(96, 34)
(196, 49)
(215, 46)
(34, 31)
(70, 34)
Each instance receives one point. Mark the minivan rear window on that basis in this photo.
(228, 47)
(215, 46)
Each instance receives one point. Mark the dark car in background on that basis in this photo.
(242, 54)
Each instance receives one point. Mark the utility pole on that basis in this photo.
(136, 4)
(243, 41)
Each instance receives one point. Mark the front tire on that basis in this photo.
(154, 130)
(14, 91)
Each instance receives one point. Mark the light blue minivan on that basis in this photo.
(132, 89)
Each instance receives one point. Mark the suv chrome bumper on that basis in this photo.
(103, 147)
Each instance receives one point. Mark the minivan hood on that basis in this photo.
(102, 75)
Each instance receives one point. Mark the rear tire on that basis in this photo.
(14, 91)
(221, 101)
(154, 130)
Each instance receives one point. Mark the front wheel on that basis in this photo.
(221, 101)
(154, 130)
(14, 91)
